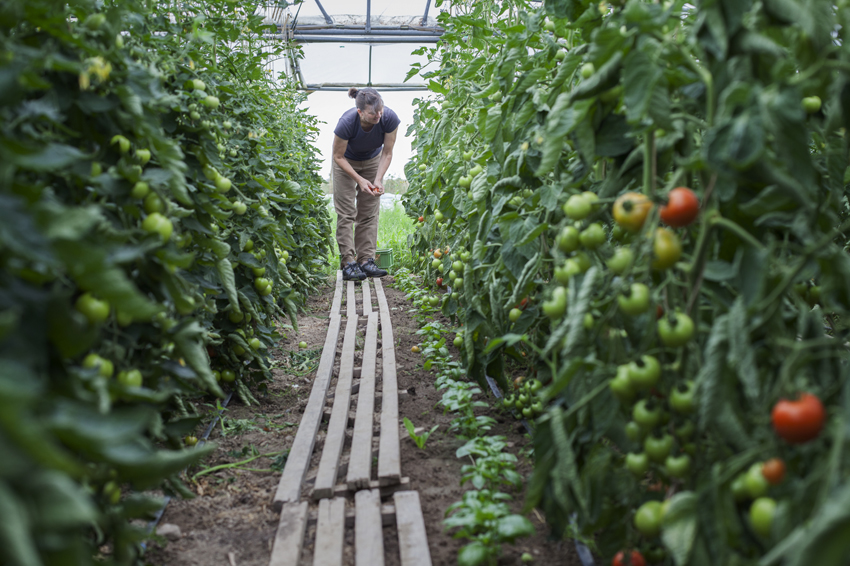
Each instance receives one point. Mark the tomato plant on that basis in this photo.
(740, 152)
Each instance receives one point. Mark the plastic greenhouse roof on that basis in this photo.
(344, 43)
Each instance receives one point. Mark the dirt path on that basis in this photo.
(231, 522)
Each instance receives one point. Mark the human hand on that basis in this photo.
(379, 187)
(368, 187)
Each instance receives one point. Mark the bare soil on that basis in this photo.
(231, 521)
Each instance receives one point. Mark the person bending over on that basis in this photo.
(363, 149)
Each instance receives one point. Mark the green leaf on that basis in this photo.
(680, 526)
(514, 526)
(228, 281)
(190, 343)
(472, 554)
(710, 375)
(59, 503)
(16, 544)
(437, 87)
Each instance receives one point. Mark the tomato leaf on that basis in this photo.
(680, 526)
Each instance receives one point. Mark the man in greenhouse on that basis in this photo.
(363, 149)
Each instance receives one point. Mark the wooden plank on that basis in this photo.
(289, 488)
(329, 463)
(387, 516)
(329, 530)
(368, 536)
(336, 304)
(367, 298)
(386, 490)
(389, 457)
(290, 535)
(412, 539)
(350, 302)
(360, 464)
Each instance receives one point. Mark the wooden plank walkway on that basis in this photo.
(310, 491)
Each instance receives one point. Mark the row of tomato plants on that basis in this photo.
(648, 202)
(483, 516)
(160, 212)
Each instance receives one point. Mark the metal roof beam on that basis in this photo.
(324, 13)
(425, 17)
(362, 39)
(382, 87)
(376, 32)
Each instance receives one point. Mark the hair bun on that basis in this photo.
(352, 92)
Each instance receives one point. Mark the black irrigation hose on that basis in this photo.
(158, 515)
(581, 549)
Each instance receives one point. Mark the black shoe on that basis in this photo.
(352, 272)
(371, 269)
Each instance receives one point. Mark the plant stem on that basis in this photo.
(233, 464)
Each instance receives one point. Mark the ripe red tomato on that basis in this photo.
(421, 219)
(439, 281)
(635, 559)
(773, 471)
(798, 421)
(681, 209)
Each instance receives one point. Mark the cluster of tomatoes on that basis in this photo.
(524, 401)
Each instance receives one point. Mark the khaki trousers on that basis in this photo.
(356, 209)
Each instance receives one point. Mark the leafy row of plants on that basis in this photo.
(483, 516)
(653, 201)
(152, 176)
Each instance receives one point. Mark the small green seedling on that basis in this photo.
(422, 438)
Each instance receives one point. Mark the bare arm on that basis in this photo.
(386, 159)
(339, 158)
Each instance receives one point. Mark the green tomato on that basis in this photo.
(475, 171)
(621, 386)
(95, 310)
(678, 466)
(458, 266)
(634, 431)
(636, 301)
(648, 519)
(467, 155)
(514, 314)
(458, 341)
(140, 190)
(638, 464)
(131, 378)
(210, 102)
(682, 398)
(757, 484)
(565, 272)
(739, 488)
(568, 239)
(240, 207)
(557, 305)
(143, 155)
(762, 512)
(811, 104)
(685, 430)
(675, 330)
(459, 282)
(261, 283)
(223, 184)
(96, 169)
(94, 21)
(644, 372)
(123, 143)
(104, 367)
(593, 236)
(436, 264)
(587, 70)
(235, 317)
(464, 182)
(157, 223)
(582, 261)
(153, 203)
(255, 343)
(588, 321)
(577, 207)
(228, 375)
(621, 260)
(658, 447)
(645, 414)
